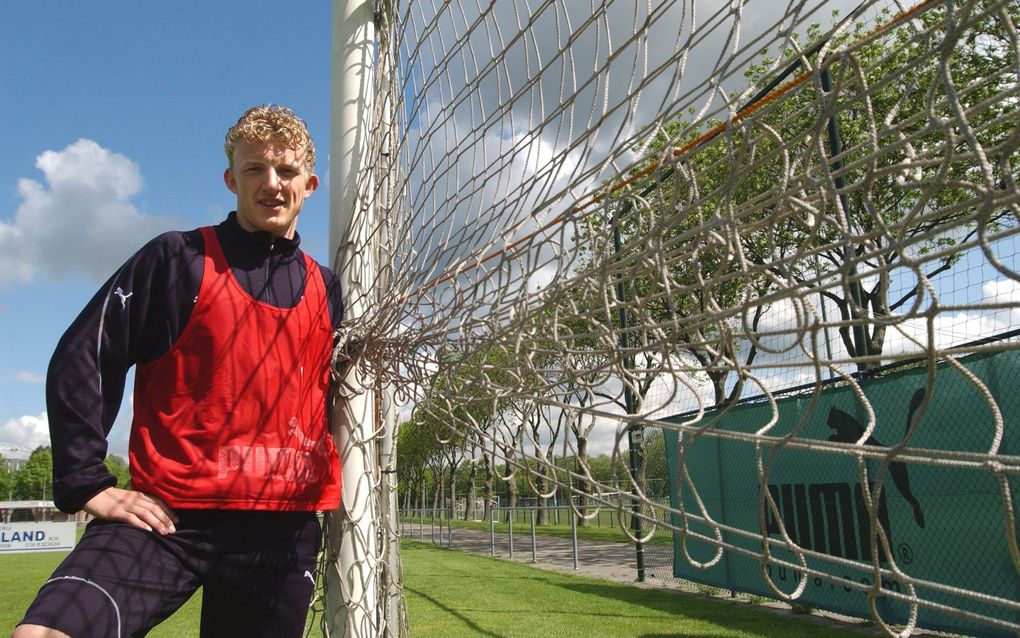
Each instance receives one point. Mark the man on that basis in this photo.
(230, 329)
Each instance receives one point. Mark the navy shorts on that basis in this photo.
(257, 571)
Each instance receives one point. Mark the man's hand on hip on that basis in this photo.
(134, 508)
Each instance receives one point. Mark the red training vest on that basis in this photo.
(233, 416)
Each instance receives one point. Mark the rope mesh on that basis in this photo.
(600, 225)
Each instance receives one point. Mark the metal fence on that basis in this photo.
(561, 540)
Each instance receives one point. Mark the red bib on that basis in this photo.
(233, 416)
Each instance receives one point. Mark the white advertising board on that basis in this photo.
(36, 537)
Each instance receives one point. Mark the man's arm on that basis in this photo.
(130, 319)
(335, 295)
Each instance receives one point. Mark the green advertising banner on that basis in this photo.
(946, 520)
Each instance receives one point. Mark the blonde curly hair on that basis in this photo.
(271, 123)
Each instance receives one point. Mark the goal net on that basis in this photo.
(742, 272)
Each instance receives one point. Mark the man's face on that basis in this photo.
(271, 183)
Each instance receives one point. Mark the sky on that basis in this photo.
(112, 117)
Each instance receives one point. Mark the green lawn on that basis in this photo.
(452, 594)
(23, 574)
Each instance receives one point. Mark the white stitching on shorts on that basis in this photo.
(113, 602)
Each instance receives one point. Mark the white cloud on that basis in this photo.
(996, 312)
(27, 431)
(28, 377)
(80, 220)
(1000, 291)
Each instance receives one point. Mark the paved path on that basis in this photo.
(609, 561)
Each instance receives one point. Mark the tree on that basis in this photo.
(416, 445)
(6, 480)
(119, 468)
(465, 410)
(507, 433)
(655, 453)
(420, 454)
(542, 473)
(35, 479)
(913, 191)
(770, 203)
(472, 484)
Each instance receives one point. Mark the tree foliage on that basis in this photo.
(34, 481)
(119, 468)
(722, 224)
(710, 229)
(6, 480)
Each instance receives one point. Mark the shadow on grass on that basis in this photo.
(733, 615)
(479, 631)
(479, 594)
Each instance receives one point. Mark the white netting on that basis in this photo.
(592, 216)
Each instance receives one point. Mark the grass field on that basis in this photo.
(522, 529)
(23, 574)
(452, 594)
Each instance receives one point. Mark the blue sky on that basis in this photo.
(152, 87)
(112, 118)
